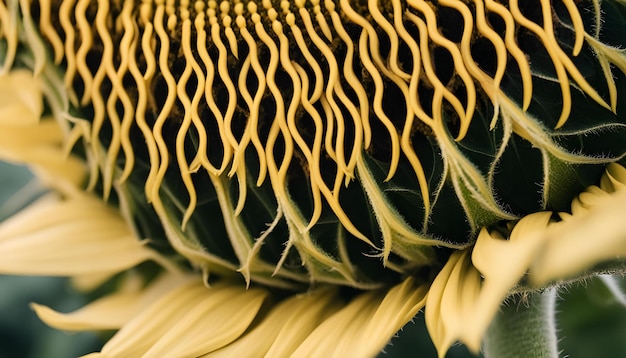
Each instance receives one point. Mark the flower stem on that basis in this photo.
(525, 327)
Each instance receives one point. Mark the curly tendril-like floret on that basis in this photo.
(270, 92)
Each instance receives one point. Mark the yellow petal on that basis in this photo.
(112, 311)
(592, 197)
(88, 282)
(341, 330)
(43, 133)
(187, 321)
(451, 300)
(398, 307)
(40, 146)
(466, 294)
(21, 101)
(586, 239)
(109, 312)
(614, 179)
(213, 323)
(312, 310)
(502, 264)
(78, 236)
(140, 333)
(366, 324)
(25, 139)
(436, 326)
(52, 166)
(285, 326)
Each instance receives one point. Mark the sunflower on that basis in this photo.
(301, 178)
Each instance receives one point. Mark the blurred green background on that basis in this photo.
(591, 322)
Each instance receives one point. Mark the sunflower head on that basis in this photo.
(299, 144)
(330, 141)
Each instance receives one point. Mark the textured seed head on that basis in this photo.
(336, 141)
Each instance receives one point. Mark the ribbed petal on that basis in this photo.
(366, 324)
(614, 178)
(502, 264)
(451, 300)
(219, 319)
(591, 198)
(586, 239)
(460, 304)
(86, 283)
(312, 310)
(52, 166)
(187, 321)
(27, 139)
(112, 311)
(21, 102)
(338, 335)
(109, 312)
(595, 232)
(78, 236)
(398, 307)
(285, 326)
(44, 132)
